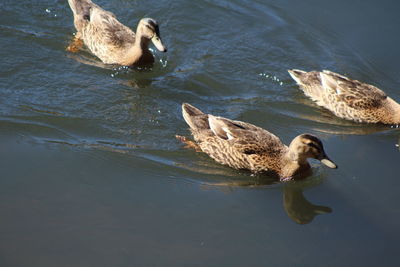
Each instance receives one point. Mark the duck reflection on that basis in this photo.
(298, 208)
(143, 77)
(138, 83)
(89, 60)
(398, 144)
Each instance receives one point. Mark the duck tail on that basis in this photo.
(81, 8)
(298, 75)
(194, 117)
(309, 82)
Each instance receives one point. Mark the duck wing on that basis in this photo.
(354, 93)
(110, 29)
(245, 137)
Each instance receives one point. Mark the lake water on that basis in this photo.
(91, 172)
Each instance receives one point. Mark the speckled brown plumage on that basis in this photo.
(110, 40)
(242, 145)
(346, 98)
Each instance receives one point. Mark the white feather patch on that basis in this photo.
(230, 136)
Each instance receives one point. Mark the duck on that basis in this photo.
(244, 146)
(346, 98)
(110, 40)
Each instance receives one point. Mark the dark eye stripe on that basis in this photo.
(314, 146)
(152, 23)
(154, 29)
(151, 28)
(312, 138)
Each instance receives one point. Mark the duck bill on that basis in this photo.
(326, 161)
(158, 43)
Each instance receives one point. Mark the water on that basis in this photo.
(92, 174)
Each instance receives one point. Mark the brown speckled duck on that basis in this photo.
(242, 145)
(346, 98)
(110, 40)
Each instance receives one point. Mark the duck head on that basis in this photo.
(148, 29)
(308, 146)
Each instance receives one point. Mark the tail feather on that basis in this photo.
(310, 83)
(81, 9)
(297, 75)
(194, 117)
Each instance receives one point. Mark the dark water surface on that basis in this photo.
(91, 172)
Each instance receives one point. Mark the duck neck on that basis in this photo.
(139, 53)
(293, 164)
(141, 41)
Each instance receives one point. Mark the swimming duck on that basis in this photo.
(242, 145)
(346, 98)
(109, 39)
